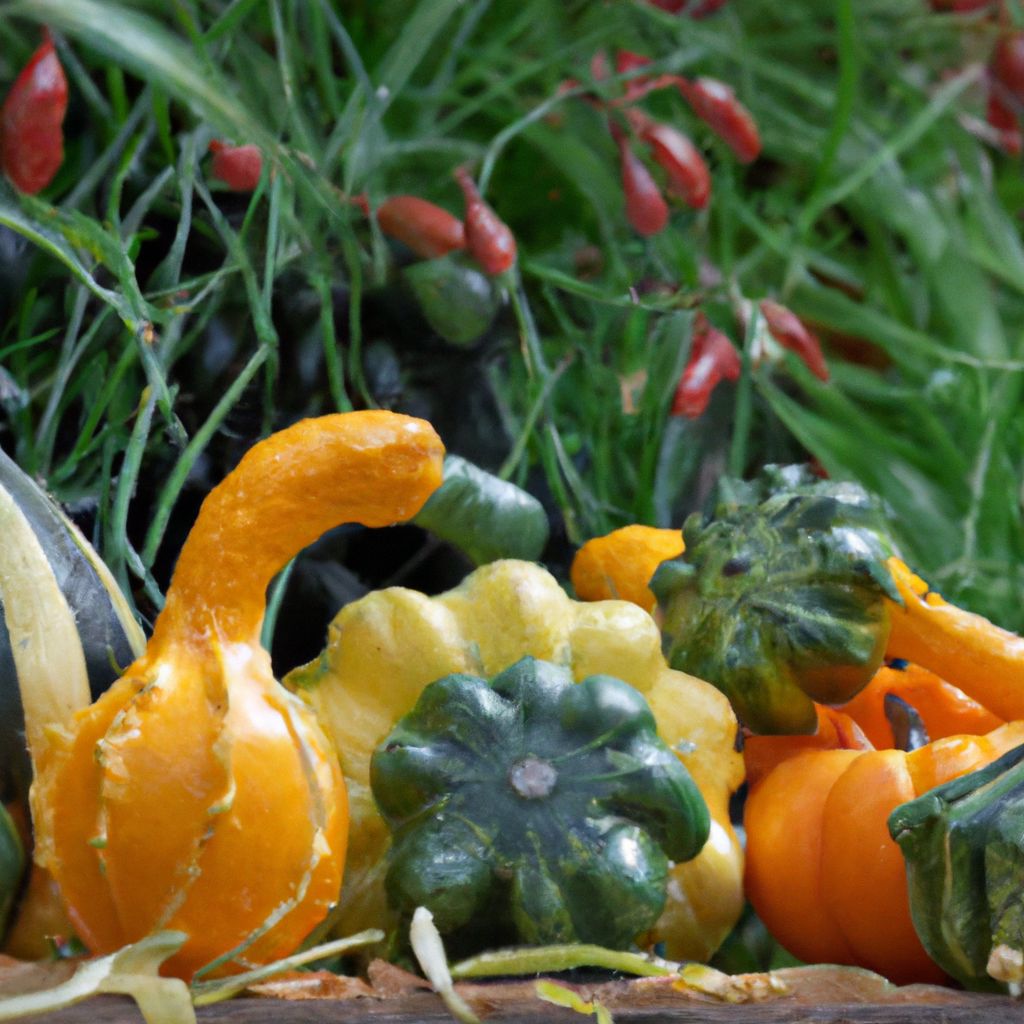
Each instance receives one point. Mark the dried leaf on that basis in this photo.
(389, 981)
(295, 985)
(562, 995)
(730, 988)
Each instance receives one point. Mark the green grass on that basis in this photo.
(154, 323)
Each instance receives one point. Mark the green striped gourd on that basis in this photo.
(65, 627)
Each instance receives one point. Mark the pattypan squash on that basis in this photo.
(532, 809)
(385, 648)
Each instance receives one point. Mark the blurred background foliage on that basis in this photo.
(153, 324)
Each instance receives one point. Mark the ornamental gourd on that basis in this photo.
(64, 624)
(965, 853)
(65, 627)
(384, 649)
(778, 597)
(197, 794)
(822, 871)
(533, 810)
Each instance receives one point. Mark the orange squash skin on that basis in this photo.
(620, 564)
(197, 794)
(821, 870)
(944, 709)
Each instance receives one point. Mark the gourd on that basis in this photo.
(197, 794)
(945, 710)
(385, 648)
(65, 626)
(973, 654)
(822, 871)
(964, 849)
(621, 563)
(529, 809)
(778, 597)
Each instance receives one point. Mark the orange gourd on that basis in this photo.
(965, 649)
(197, 794)
(821, 870)
(619, 565)
(944, 709)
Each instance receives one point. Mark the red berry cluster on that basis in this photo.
(431, 231)
(713, 358)
(685, 170)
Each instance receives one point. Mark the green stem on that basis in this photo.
(744, 401)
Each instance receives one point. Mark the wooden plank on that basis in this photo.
(426, 1008)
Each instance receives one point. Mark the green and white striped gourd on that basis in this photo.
(65, 626)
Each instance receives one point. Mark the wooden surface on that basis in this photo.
(426, 1008)
(816, 997)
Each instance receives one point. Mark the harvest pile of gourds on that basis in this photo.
(531, 767)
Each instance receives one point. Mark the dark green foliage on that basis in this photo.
(534, 810)
(152, 324)
(778, 597)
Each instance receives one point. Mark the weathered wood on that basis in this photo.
(426, 1008)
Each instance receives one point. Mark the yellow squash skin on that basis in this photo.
(385, 648)
(197, 794)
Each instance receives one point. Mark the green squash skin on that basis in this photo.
(963, 843)
(534, 810)
(484, 516)
(12, 864)
(778, 600)
(110, 638)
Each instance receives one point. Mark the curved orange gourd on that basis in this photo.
(944, 709)
(821, 870)
(619, 565)
(965, 649)
(197, 794)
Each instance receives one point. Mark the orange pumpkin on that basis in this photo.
(821, 870)
(197, 794)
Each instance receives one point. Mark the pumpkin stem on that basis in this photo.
(371, 467)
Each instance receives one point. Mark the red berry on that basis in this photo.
(688, 174)
(239, 167)
(646, 209)
(790, 332)
(712, 359)
(1008, 64)
(715, 103)
(31, 120)
(427, 229)
(1006, 124)
(488, 238)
